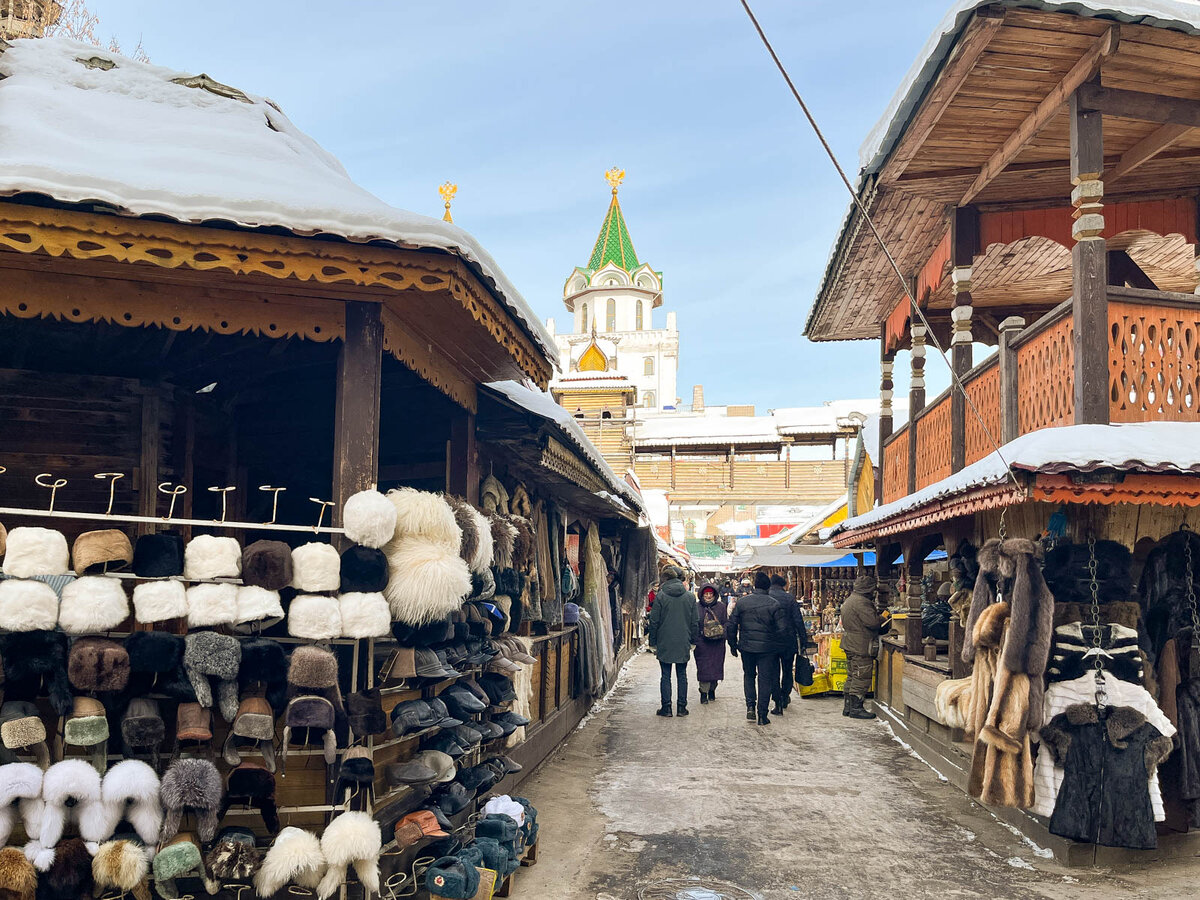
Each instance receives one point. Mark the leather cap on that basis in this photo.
(411, 772)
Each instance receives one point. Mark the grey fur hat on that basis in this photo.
(193, 784)
(211, 655)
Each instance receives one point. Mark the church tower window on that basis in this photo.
(648, 400)
(610, 315)
(648, 366)
(584, 327)
(639, 322)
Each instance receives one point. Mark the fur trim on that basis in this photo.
(69, 876)
(951, 700)
(264, 665)
(234, 860)
(255, 603)
(470, 529)
(369, 519)
(485, 548)
(93, 603)
(427, 581)
(18, 878)
(353, 838)
(27, 605)
(424, 515)
(20, 794)
(191, 784)
(212, 604)
(98, 664)
(36, 551)
(989, 626)
(209, 556)
(21, 731)
(526, 543)
(208, 654)
(504, 539)
(316, 567)
(295, 857)
(313, 667)
(71, 780)
(364, 615)
(314, 617)
(107, 548)
(267, 564)
(157, 601)
(121, 865)
(130, 791)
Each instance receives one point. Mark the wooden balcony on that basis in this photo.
(1153, 375)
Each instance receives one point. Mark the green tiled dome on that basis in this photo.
(614, 245)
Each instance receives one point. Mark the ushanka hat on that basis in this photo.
(264, 668)
(68, 876)
(452, 878)
(35, 663)
(208, 556)
(253, 785)
(107, 550)
(158, 555)
(130, 792)
(210, 655)
(27, 605)
(70, 793)
(352, 839)
(311, 715)
(93, 603)
(363, 570)
(212, 604)
(254, 723)
(31, 551)
(316, 568)
(87, 726)
(18, 878)
(369, 519)
(193, 722)
(98, 664)
(20, 798)
(234, 858)
(22, 729)
(356, 775)
(314, 670)
(158, 601)
(156, 665)
(142, 728)
(314, 617)
(365, 710)
(122, 866)
(258, 605)
(179, 858)
(294, 857)
(194, 785)
(364, 615)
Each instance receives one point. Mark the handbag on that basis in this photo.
(804, 670)
(713, 629)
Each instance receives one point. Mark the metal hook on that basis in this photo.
(174, 492)
(274, 499)
(1003, 525)
(3, 469)
(224, 492)
(298, 891)
(321, 515)
(112, 487)
(53, 485)
(238, 889)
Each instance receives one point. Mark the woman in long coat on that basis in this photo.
(710, 651)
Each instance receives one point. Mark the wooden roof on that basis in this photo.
(992, 130)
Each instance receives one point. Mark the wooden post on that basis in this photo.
(463, 458)
(916, 398)
(1089, 265)
(886, 367)
(731, 466)
(964, 245)
(916, 571)
(151, 445)
(1010, 423)
(672, 467)
(356, 410)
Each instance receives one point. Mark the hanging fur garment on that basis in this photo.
(596, 601)
(465, 518)
(504, 539)
(523, 686)
(546, 568)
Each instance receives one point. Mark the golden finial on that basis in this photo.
(447, 190)
(614, 177)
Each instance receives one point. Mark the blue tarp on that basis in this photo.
(850, 559)
(933, 555)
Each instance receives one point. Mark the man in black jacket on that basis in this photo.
(795, 636)
(755, 628)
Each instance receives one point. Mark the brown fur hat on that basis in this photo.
(18, 877)
(98, 664)
(234, 857)
(70, 875)
(122, 865)
(107, 550)
(267, 564)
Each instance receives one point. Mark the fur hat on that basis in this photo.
(157, 601)
(264, 667)
(423, 515)
(18, 878)
(98, 664)
(158, 555)
(27, 605)
(211, 655)
(35, 663)
(267, 564)
(208, 556)
(255, 721)
(122, 866)
(70, 792)
(142, 728)
(130, 792)
(107, 550)
(20, 795)
(526, 544)
(427, 581)
(234, 858)
(313, 668)
(87, 726)
(481, 561)
(156, 665)
(179, 858)
(365, 709)
(35, 551)
(193, 722)
(255, 604)
(369, 519)
(212, 604)
(314, 617)
(364, 615)
(295, 857)
(363, 570)
(356, 776)
(504, 539)
(353, 838)
(192, 784)
(316, 567)
(93, 603)
(255, 785)
(21, 728)
(493, 497)
(466, 522)
(68, 872)
(311, 713)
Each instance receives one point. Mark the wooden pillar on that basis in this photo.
(1010, 423)
(731, 466)
(915, 566)
(463, 475)
(916, 398)
(964, 245)
(356, 410)
(886, 369)
(150, 454)
(672, 467)
(1089, 265)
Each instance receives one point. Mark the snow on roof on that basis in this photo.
(1143, 446)
(542, 404)
(130, 137)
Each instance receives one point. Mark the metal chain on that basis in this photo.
(1191, 587)
(1094, 586)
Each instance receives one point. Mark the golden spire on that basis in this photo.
(614, 177)
(447, 190)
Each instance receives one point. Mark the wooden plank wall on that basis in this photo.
(808, 482)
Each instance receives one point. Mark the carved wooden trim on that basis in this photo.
(560, 459)
(415, 351)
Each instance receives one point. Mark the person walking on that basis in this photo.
(795, 637)
(710, 649)
(674, 629)
(862, 626)
(755, 628)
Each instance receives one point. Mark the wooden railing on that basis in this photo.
(1153, 356)
(933, 441)
(802, 481)
(1046, 371)
(895, 466)
(983, 387)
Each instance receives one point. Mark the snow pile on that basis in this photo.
(126, 135)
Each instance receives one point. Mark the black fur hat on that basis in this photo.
(158, 555)
(254, 785)
(267, 564)
(70, 875)
(35, 663)
(156, 666)
(265, 664)
(364, 569)
(365, 709)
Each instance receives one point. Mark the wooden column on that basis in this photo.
(672, 467)
(356, 410)
(1010, 424)
(913, 632)
(731, 467)
(151, 452)
(886, 366)
(1089, 265)
(462, 475)
(916, 399)
(964, 244)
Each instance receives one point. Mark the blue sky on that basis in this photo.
(525, 104)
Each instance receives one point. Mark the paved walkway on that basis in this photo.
(813, 806)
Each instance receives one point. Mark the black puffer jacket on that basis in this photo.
(795, 635)
(757, 624)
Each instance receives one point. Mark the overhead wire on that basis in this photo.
(955, 381)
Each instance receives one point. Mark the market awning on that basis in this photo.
(787, 556)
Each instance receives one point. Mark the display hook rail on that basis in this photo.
(160, 520)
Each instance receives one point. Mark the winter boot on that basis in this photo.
(846, 698)
(664, 711)
(857, 711)
(751, 715)
(763, 720)
(777, 709)
(681, 709)
(704, 696)
(712, 693)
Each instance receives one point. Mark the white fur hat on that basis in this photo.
(27, 605)
(364, 615)
(93, 603)
(314, 617)
(157, 601)
(130, 791)
(36, 551)
(212, 604)
(70, 791)
(20, 794)
(424, 515)
(484, 547)
(353, 838)
(209, 556)
(255, 604)
(316, 567)
(295, 857)
(428, 581)
(369, 519)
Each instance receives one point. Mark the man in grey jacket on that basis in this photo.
(862, 626)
